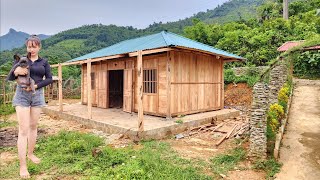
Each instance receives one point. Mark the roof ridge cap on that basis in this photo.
(167, 39)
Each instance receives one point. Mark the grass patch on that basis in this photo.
(6, 109)
(6, 123)
(223, 163)
(70, 153)
(270, 166)
(179, 121)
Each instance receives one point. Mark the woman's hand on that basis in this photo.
(29, 88)
(20, 71)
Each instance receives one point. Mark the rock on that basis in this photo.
(113, 137)
(223, 176)
(179, 136)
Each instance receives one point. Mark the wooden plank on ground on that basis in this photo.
(230, 132)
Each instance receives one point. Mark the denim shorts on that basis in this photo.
(28, 98)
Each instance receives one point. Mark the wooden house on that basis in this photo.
(178, 75)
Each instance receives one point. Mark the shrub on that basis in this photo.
(307, 64)
(278, 110)
(284, 94)
(229, 76)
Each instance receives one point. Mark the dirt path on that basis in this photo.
(300, 152)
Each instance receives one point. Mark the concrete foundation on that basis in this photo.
(117, 121)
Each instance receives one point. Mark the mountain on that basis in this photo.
(15, 39)
(232, 10)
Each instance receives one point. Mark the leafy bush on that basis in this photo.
(274, 116)
(250, 77)
(283, 96)
(277, 110)
(307, 64)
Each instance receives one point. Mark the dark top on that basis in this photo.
(38, 69)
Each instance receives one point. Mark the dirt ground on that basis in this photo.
(300, 152)
(198, 146)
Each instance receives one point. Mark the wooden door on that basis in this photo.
(127, 90)
(103, 101)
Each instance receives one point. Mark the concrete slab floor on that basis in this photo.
(118, 121)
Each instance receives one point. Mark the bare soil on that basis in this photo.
(300, 152)
(238, 95)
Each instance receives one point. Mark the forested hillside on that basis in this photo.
(258, 39)
(255, 33)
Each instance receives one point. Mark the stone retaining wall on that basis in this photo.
(263, 96)
(258, 121)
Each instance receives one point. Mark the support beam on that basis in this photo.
(89, 88)
(140, 95)
(169, 55)
(60, 86)
(152, 51)
(92, 60)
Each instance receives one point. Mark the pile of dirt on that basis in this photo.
(238, 95)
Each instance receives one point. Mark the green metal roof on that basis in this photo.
(154, 41)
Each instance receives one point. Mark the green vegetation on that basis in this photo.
(258, 40)
(271, 166)
(6, 123)
(179, 121)
(6, 109)
(83, 155)
(276, 113)
(250, 77)
(223, 163)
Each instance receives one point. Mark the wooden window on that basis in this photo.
(150, 81)
(93, 81)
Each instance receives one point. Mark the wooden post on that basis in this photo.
(89, 88)
(140, 95)
(222, 83)
(168, 86)
(60, 86)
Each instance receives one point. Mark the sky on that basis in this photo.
(53, 16)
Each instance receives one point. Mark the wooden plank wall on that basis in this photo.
(195, 82)
(153, 103)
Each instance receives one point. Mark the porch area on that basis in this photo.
(115, 120)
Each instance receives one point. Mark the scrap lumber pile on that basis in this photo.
(229, 129)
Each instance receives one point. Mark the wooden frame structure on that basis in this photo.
(187, 81)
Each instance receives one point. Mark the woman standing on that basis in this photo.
(28, 104)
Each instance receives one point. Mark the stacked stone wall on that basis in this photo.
(263, 96)
(278, 76)
(258, 122)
